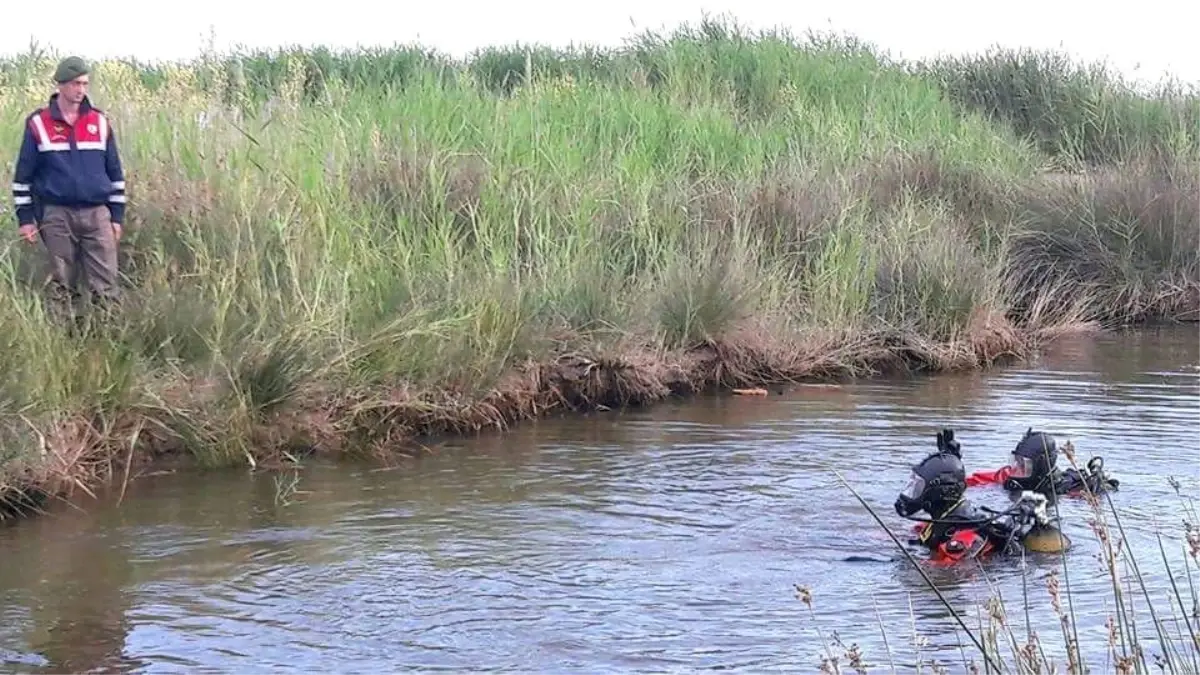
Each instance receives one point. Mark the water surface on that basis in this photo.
(658, 540)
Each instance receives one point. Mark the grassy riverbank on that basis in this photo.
(342, 252)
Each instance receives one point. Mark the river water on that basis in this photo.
(658, 540)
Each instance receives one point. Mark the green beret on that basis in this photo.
(69, 69)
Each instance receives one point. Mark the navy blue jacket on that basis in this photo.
(67, 165)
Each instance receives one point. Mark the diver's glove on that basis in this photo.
(1092, 478)
(1099, 480)
(947, 444)
(1033, 508)
(1000, 528)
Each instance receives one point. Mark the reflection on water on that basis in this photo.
(652, 540)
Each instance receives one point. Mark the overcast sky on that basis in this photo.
(1143, 39)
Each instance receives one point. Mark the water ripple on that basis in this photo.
(667, 539)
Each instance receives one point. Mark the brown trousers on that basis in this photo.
(80, 243)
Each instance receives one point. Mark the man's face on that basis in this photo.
(74, 90)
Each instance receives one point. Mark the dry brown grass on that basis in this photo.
(1117, 244)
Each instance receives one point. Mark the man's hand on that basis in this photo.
(29, 232)
(116, 231)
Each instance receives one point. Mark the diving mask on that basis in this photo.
(914, 489)
(909, 500)
(1020, 467)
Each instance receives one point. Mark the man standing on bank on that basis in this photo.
(69, 177)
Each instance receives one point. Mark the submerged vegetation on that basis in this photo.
(341, 252)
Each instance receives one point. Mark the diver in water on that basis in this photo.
(956, 529)
(1033, 467)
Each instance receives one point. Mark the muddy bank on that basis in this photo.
(170, 426)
